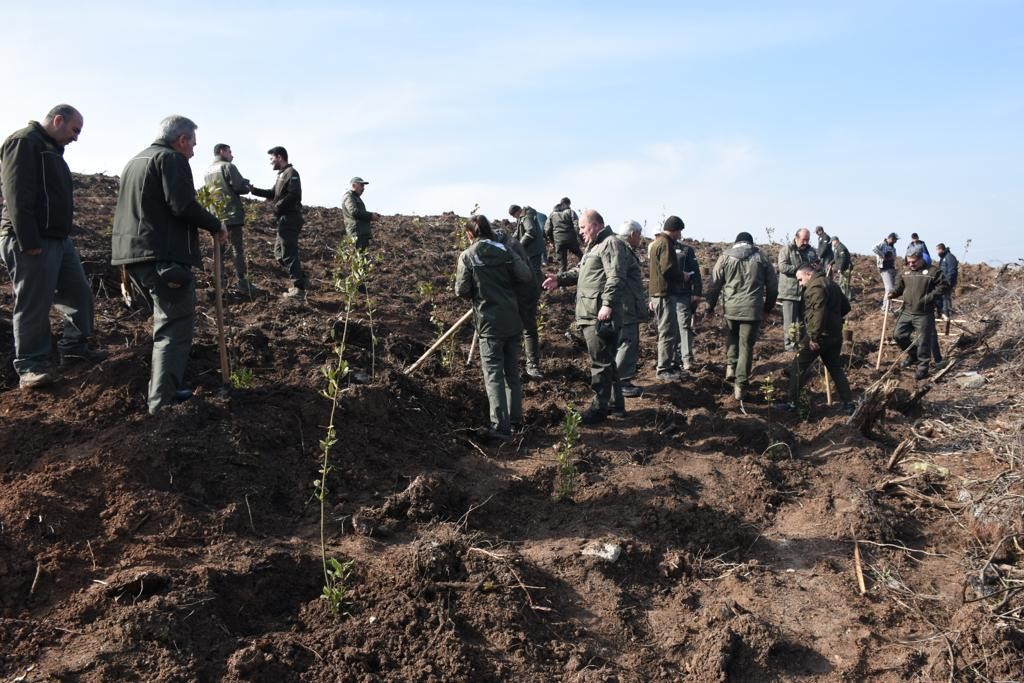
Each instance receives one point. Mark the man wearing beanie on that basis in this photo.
(675, 288)
(634, 311)
(748, 285)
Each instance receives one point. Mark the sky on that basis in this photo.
(864, 117)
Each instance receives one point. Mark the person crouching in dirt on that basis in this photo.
(156, 237)
(634, 311)
(825, 306)
(920, 287)
(600, 280)
(487, 273)
(749, 286)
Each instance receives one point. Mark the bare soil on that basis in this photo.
(185, 547)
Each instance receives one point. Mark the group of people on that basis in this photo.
(155, 238)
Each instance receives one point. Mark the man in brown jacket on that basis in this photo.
(825, 305)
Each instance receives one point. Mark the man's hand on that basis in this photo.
(34, 252)
(813, 345)
(221, 236)
(650, 305)
(550, 282)
(605, 313)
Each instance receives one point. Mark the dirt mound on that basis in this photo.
(700, 540)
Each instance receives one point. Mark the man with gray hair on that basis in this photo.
(791, 257)
(156, 238)
(634, 311)
(223, 177)
(600, 289)
(36, 246)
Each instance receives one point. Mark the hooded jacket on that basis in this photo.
(746, 281)
(950, 267)
(634, 301)
(563, 227)
(842, 259)
(792, 257)
(157, 215)
(487, 273)
(824, 305)
(37, 188)
(531, 236)
(224, 176)
(600, 278)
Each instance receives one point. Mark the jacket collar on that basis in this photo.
(46, 136)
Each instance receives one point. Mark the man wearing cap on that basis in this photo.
(530, 235)
(357, 218)
(824, 249)
(286, 198)
(634, 310)
(749, 286)
(885, 258)
(791, 257)
(950, 268)
(843, 264)
(824, 309)
(675, 287)
(36, 246)
(562, 230)
(600, 280)
(223, 177)
(914, 332)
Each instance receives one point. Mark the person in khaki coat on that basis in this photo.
(748, 286)
(634, 311)
(353, 211)
(487, 273)
(825, 306)
(791, 257)
(222, 176)
(600, 280)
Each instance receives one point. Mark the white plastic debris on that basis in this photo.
(609, 552)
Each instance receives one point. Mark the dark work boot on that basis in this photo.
(922, 371)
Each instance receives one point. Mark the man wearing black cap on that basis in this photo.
(885, 257)
(357, 218)
(673, 284)
(921, 288)
(749, 286)
(286, 198)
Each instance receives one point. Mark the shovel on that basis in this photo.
(218, 266)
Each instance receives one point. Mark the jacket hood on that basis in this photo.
(741, 251)
(489, 253)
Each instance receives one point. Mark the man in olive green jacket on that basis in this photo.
(634, 311)
(357, 218)
(600, 280)
(791, 257)
(156, 237)
(223, 177)
(488, 273)
(36, 247)
(748, 285)
(825, 306)
(562, 229)
(530, 235)
(843, 264)
(286, 198)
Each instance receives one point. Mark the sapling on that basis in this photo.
(242, 378)
(566, 482)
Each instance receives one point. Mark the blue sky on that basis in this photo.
(862, 117)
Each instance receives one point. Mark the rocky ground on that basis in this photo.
(186, 547)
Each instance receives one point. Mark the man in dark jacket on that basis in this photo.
(824, 250)
(950, 268)
(357, 218)
(749, 286)
(600, 280)
(36, 246)
(825, 305)
(286, 197)
(562, 230)
(530, 235)
(921, 287)
(156, 237)
(791, 257)
(223, 177)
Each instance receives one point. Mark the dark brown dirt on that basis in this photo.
(186, 547)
